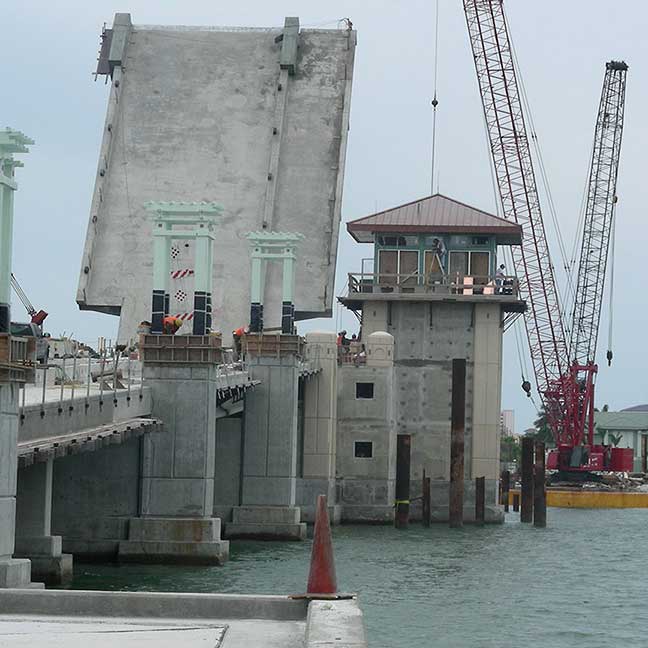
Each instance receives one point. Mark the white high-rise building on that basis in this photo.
(507, 422)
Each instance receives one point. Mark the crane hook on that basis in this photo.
(526, 386)
(609, 357)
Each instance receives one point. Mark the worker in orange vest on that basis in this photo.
(171, 325)
(238, 334)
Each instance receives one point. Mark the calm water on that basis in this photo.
(582, 582)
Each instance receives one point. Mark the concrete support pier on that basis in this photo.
(34, 539)
(14, 572)
(270, 435)
(176, 522)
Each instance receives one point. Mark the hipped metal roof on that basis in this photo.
(435, 214)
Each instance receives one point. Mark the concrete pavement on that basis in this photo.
(69, 632)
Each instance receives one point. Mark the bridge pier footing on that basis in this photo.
(176, 522)
(34, 526)
(270, 448)
(14, 572)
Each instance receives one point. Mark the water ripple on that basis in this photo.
(578, 584)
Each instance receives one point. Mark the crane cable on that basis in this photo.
(435, 101)
(545, 181)
(611, 295)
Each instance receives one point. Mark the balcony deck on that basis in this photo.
(364, 287)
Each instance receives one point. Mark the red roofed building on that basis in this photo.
(432, 290)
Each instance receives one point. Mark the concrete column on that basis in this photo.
(202, 283)
(483, 457)
(34, 539)
(14, 572)
(6, 239)
(268, 508)
(161, 270)
(210, 286)
(176, 522)
(256, 293)
(287, 305)
(320, 422)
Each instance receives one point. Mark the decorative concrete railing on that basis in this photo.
(432, 283)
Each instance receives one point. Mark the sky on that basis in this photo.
(48, 92)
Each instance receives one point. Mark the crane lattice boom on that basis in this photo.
(599, 215)
(565, 381)
(511, 154)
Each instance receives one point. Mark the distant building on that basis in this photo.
(631, 425)
(507, 423)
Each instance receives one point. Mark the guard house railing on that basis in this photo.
(442, 284)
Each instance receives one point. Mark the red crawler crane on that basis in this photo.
(564, 372)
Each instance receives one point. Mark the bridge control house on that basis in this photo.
(433, 288)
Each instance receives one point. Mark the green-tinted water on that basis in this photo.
(579, 583)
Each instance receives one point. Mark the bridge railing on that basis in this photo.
(76, 379)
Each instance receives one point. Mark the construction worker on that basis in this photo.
(238, 334)
(500, 275)
(171, 325)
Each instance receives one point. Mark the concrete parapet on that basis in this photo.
(177, 540)
(266, 523)
(152, 604)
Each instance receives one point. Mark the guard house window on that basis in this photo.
(364, 390)
(363, 449)
(476, 264)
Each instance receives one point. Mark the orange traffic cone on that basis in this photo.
(321, 578)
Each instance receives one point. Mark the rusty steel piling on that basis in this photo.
(505, 485)
(480, 500)
(402, 508)
(539, 490)
(457, 428)
(426, 512)
(526, 512)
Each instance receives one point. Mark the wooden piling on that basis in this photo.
(539, 490)
(480, 500)
(505, 482)
(401, 514)
(426, 512)
(516, 502)
(457, 428)
(526, 512)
